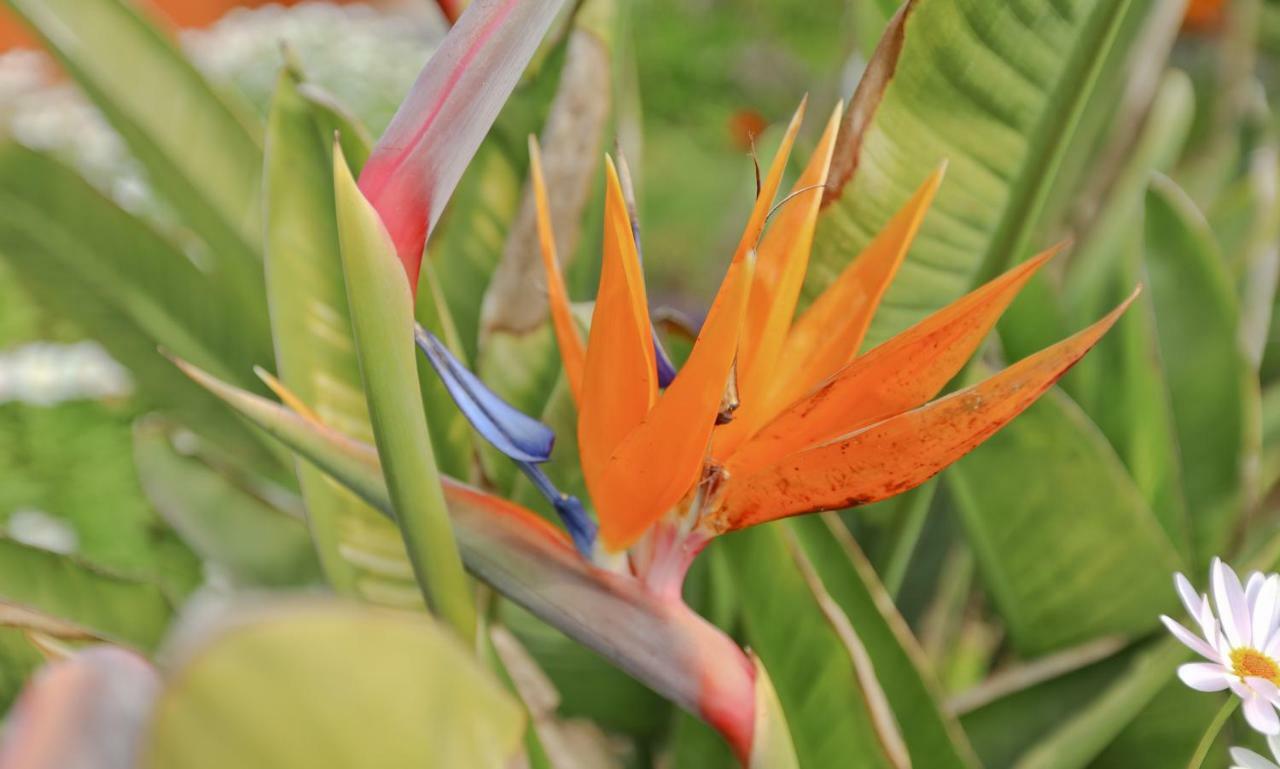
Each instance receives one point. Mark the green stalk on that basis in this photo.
(381, 308)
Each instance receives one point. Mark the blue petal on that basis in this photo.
(572, 514)
(511, 431)
(666, 369)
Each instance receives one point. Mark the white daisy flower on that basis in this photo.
(1240, 643)
(1247, 759)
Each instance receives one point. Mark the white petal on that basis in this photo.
(1263, 688)
(1264, 610)
(1247, 759)
(1273, 742)
(1239, 687)
(1205, 676)
(1261, 715)
(1190, 598)
(1228, 595)
(1194, 642)
(1210, 628)
(1252, 586)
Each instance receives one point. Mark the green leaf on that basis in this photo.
(198, 147)
(1075, 555)
(263, 694)
(381, 308)
(1007, 714)
(223, 522)
(125, 610)
(1080, 737)
(820, 666)
(86, 259)
(361, 551)
(1197, 323)
(995, 89)
(932, 737)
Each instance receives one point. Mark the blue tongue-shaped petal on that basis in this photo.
(666, 369)
(510, 430)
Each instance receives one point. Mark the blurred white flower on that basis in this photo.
(1240, 642)
(45, 374)
(1247, 759)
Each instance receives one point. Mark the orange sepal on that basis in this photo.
(619, 380)
(781, 263)
(828, 334)
(572, 352)
(901, 452)
(659, 462)
(900, 374)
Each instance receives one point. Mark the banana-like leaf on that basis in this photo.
(112, 607)
(225, 523)
(360, 550)
(825, 678)
(381, 306)
(84, 711)
(198, 147)
(661, 643)
(1075, 555)
(932, 737)
(262, 693)
(125, 285)
(1081, 736)
(997, 90)
(1014, 708)
(1122, 385)
(1197, 324)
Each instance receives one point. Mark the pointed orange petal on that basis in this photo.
(769, 188)
(780, 269)
(900, 374)
(619, 380)
(572, 352)
(659, 462)
(827, 335)
(901, 452)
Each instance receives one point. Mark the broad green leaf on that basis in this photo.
(264, 694)
(1075, 555)
(1197, 323)
(1016, 707)
(117, 608)
(932, 737)
(381, 307)
(225, 523)
(361, 551)
(820, 667)
(197, 146)
(140, 272)
(70, 462)
(1175, 726)
(1121, 384)
(1080, 737)
(86, 259)
(996, 89)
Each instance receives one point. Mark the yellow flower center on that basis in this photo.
(1253, 663)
